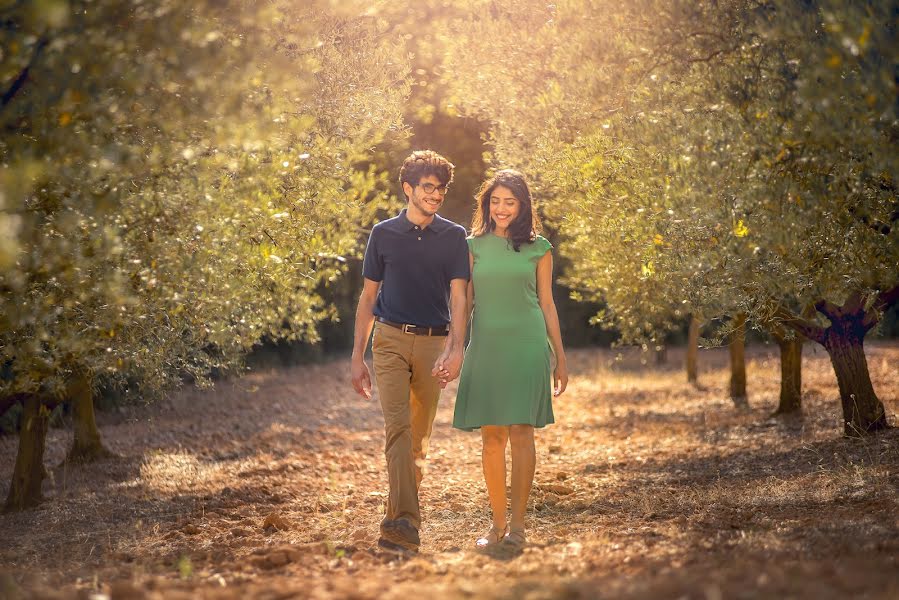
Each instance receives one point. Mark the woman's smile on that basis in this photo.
(504, 207)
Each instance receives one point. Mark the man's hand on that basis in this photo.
(447, 367)
(361, 378)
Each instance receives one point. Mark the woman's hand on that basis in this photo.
(560, 378)
(448, 366)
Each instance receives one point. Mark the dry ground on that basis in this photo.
(273, 486)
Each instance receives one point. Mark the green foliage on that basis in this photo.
(179, 178)
(180, 181)
(712, 157)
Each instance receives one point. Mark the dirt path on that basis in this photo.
(273, 487)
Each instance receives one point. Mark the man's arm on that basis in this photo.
(449, 364)
(458, 323)
(365, 319)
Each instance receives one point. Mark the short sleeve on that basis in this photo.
(472, 246)
(459, 267)
(373, 263)
(543, 245)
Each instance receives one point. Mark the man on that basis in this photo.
(415, 271)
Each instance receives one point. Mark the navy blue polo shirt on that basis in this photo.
(415, 266)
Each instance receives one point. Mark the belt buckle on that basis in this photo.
(406, 327)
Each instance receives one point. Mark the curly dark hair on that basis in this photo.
(422, 163)
(525, 227)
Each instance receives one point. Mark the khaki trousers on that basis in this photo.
(408, 394)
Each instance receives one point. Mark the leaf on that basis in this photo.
(185, 567)
(865, 37)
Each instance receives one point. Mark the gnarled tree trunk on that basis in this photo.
(693, 350)
(737, 350)
(863, 411)
(29, 472)
(86, 444)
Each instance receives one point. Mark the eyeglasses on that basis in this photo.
(430, 188)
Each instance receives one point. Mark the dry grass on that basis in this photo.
(273, 486)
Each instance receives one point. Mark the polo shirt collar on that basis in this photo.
(437, 225)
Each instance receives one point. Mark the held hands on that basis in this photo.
(560, 379)
(447, 367)
(361, 379)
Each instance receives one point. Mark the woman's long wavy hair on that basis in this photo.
(525, 227)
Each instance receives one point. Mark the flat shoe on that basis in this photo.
(514, 542)
(491, 538)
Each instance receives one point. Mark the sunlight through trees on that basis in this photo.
(180, 182)
(723, 158)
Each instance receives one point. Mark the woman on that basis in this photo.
(506, 386)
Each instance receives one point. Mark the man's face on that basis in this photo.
(423, 201)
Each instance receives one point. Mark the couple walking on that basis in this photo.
(423, 280)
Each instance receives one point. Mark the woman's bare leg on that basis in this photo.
(524, 461)
(493, 457)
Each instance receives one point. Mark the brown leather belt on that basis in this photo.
(415, 329)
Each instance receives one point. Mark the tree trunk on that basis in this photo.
(737, 348)
(693, 350)
(661, 352)
(863, 411)
(29, 472)
(790, 375)
(86, 445)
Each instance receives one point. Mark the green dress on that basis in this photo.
(506, 376)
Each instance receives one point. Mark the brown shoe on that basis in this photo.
(395, 549)
(402, 533)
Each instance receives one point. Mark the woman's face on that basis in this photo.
(504, 207)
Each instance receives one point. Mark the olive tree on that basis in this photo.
(763, 132)
(179, 181)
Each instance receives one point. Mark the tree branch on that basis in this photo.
(884, 300)
(855, 303)
(22, 77)
(810, 330)
(888, 298)
(828, 309)
(9, 401)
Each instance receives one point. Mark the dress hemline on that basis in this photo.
(476, 427)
